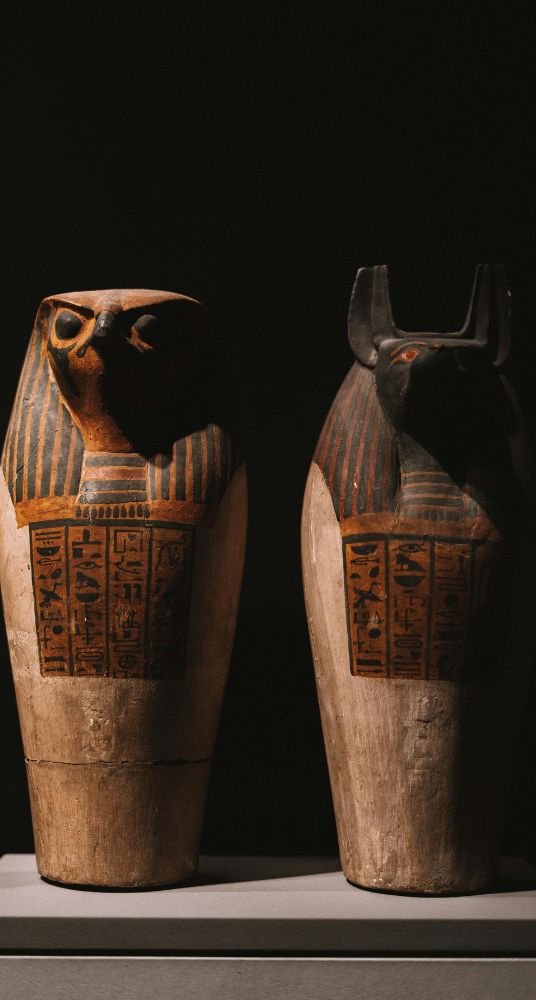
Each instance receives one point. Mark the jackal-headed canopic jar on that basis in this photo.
(416, 545)
(122, 530)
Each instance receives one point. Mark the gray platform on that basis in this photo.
(269, 927)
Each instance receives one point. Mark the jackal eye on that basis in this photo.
(406, 356)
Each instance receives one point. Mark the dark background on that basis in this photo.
(253, 156)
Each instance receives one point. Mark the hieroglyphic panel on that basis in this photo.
(128, 594)
(411, 602)
(112, 600)
(49, 566)
(87, 571)
(410, 579)
(169, 599)
(367, 606)
(451, 608)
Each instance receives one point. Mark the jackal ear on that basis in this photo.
(488, 320)
(370, 318)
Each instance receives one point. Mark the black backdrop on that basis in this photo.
(253, 156)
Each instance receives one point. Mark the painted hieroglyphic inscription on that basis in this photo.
(86, 554)
(409, 587)
(451, 606)
(128, 591)
(170, 595)
(366, 597)
(49, 566)
(410, 603)
(111, 600)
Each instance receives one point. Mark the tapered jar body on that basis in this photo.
(416, 548)
(122, 529)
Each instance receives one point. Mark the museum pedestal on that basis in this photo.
(265, 927)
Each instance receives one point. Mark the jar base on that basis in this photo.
(117, 826)
(420, 893)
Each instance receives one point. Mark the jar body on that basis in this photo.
(121, 575)
(418, 605)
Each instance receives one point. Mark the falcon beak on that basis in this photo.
(104, 325)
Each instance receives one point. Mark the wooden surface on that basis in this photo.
(121, 575)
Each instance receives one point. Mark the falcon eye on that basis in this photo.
(68, 324)
(145, 325)
(144, 332)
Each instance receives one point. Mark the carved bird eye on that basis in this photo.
(68, 324)
(145, 324)
(143, 332)
(406, 356)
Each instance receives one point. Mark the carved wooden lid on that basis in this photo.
(116, 299)
(487, 323)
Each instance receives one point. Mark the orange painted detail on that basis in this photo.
(52, 508)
